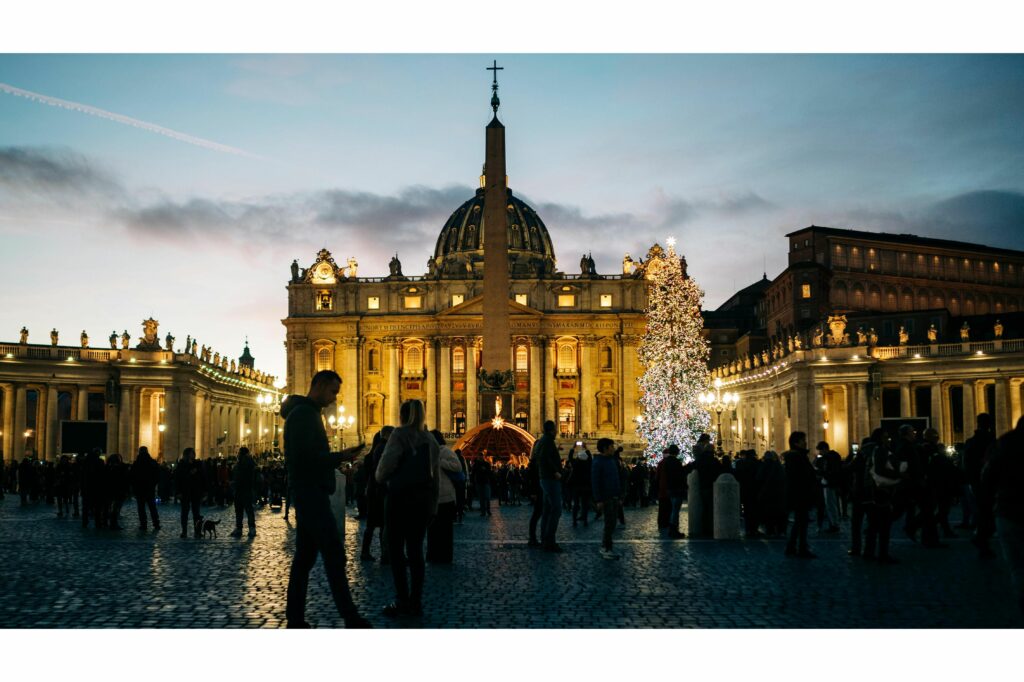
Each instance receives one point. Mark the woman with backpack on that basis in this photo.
(882, 475)
(409, 466)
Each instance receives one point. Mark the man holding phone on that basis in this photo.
(311, 467)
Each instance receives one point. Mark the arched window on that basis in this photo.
(566, 357)
(606, 357)
(324, 359)
(566, 417)
(459, 360)
(890, 299)
(874, 298)
(522, 359)
(858, 297)
(839, 294)
(413, 359)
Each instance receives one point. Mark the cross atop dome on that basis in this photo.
(495, 102)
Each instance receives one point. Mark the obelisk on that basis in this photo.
(497, 333)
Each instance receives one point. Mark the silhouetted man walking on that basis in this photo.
(311, 467)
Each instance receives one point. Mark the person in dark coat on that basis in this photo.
(243, 480)
(579, 484)
(65, 485)
(145, 474)
(190, 484)
(93, 489)
(746, 475)
(708, 469)
(606, 486)
(117, 489)
(26, 479)
(549, 471)
(802, 493)
(1003, 477)
(856, 470)
(771, 494)
(375, 494)
(932, 482)
(311, 466)
(675, 485)
(977, 450)
(882, 477)
(482, 484)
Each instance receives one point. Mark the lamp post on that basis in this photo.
(339, 423)
(270, 403)
(718, 402)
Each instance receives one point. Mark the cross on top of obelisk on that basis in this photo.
(495, 102)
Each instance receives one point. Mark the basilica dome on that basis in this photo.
(459, 250)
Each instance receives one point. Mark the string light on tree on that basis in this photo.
(674, 355)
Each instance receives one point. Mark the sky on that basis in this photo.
(183, 186)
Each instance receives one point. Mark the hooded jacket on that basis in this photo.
(307, 455)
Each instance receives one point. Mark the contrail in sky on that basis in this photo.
(118, 118)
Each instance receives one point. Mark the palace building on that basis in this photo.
(55, 397)
(492, 302)
(865, 326)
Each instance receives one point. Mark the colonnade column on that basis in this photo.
(394, 398)
(83, 403)
(1002, 406)
(905, 410)
(1015, 406)
(445, 380)
(779, 431)
(172, 425)
(20, 422)
(431, 383)
(49, 449)
(550, 363)
(7, 422)
(630, 389)
(124, 425)
(936, 407)
(815, 416)
(472, 403)
(588, 398)
(350, 384)
(863, 418)
(798, 408)
(536, 421)
(970, 417)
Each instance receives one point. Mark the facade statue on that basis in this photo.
(862, 337)
(584, 265)
(234, 368)
(628, 266)
(395, 266)
(746, 362)
(904, 336)
(837, 329)
(933, 334)
(113, 340)
(790, 344)
(54, 336)
(216, 358)
(224, 363)
(965, 332)
(295, 270)
(872, 337)
(818, 337)
(194, 344)
(798, 343)
(24, 336)
(150, 337)
(85, 339)
(764, 357)
(125, 340)
(169, 342)
(998, 329)
(757, 360)
(352, 269)
(188, 343)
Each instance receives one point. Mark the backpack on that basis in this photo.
(413, 473)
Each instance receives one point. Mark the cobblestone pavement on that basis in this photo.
(55, 574)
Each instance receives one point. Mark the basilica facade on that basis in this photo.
(572, 346)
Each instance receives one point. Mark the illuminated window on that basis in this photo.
(566, 357)
(373, 303)
(606, 300)
(413, 301)
(324, 359)
(566, 300)
(522, 299)
(413, 359)
(805, 291)
(458, 360)
(457, 299)
(324, 300)
(522, 359)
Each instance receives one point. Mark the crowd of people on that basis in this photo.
(411, 489)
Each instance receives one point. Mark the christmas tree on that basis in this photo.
(674, 355)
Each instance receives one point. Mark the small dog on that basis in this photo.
(210, 527)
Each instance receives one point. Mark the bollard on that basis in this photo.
(338, 503)
(694, 506)
(727, 508)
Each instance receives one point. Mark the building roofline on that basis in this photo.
(906, 239)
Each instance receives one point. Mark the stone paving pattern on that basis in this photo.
(57, 575)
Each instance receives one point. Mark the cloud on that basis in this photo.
(52, 173)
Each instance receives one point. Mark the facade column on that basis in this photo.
(472, 402)
(1015, 402)
(8, 427)
(536, 422)
(113, 415)
(394, 399)
(936, 407)
(798, 409)
(430, 363)
(588, 396)
(172, 425)
(905, 409)
(350, 385)
(445, 380)
(778, 440)
(186, 422)
(20, 421)
(83, 403)
(815, 431)
(124, 425)
(1002, 406)
(49, 449)
(630, 389)
(863, 413)
(549, 382)
(970, 416)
